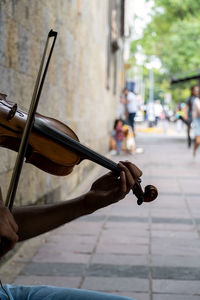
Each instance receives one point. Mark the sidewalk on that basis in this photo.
(150, 252)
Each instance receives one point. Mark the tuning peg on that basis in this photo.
(12, 112)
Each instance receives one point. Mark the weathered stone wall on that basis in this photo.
(75, 89)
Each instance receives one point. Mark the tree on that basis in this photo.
(172, 36)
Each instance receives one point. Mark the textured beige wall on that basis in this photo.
(75, 90)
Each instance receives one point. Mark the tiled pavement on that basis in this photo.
(150, 252)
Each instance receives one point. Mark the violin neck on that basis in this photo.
(73, 145)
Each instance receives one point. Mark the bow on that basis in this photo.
(30, 121)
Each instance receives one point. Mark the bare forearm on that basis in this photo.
(31, 221)
(108, 189)
(35, 220)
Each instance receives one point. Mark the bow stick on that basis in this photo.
(29, 122)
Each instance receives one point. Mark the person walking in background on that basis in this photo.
(150, 114)
(196, 121)
(179, 118)
(165, 118)
(131, 106)
(188, 111)
(158, 109)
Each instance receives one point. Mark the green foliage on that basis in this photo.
(173, 36)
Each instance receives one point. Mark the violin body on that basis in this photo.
(42, 152)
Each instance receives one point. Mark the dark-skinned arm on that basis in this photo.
(34, 220)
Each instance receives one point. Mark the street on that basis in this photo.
(149, 252)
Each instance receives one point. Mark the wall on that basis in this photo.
(75, 91)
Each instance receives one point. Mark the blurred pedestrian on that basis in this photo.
(165, 118)
(179, 117)
(119, 135)
(196, 120)
(158, 111)
(188, 115)
(131, 107)
(151, 114)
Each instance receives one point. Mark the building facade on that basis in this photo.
(83, 83)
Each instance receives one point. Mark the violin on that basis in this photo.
(53, 147)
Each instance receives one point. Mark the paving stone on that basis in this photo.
(137, 296)
(128, 219)
(116, 284)
(65, 238)
(108, 270)
(81, 228)
(192, 188)
(119, 259)
(68, 246)
(175, 234)
(92, 218)
(127, 212)
(174, 297)
(177, 273)
(133, 233)
(193, 203)
(61, 257)
(173, 242)
(123, 249)
(175, 249)
(173, 227)
(175, 261)
(168, 186)
(171, 212)
(61, 281)
(124, 240)
(167, 202)
(176, 287)
(53, 269)
(171, 220)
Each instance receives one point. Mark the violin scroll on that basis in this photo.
(150, 192)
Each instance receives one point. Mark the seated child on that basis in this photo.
(119, 135)
(128, 141)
